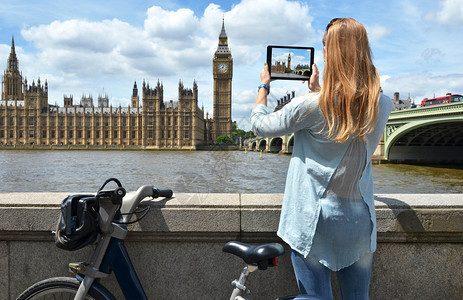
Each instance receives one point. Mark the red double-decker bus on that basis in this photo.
(449, 98)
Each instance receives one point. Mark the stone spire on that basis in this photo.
(223, 41)
(223, 34)
(12, 60)
(12, 83)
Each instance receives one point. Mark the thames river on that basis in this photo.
(191, 172)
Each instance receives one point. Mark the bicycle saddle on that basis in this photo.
(255, 255)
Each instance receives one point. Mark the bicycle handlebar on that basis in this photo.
(162, 193)
(132, 199)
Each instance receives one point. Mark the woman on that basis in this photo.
(328, 213)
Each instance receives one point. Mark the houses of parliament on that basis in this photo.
(26, 117)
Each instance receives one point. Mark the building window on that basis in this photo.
(168, 134)
(124, 122)
(52, 121)
(106, 134)
(1, 121)
(20, 121)
(115, 122)
(61, 134)
(134, 135)
(71, 134)
(186, 121)
(61, 121)
(32, 103)
(115, 134)
(11, 121)
(124, 134)
(175, 121)
(168, 121)
(44, 134)
(79, 134)
(53, 134)
(31, 133)
(11, 133)
(97, 134)
(20, 133)
(175, 134)
(2, 134)
(150, 134)
(150, 121)
(89, 122)
(31, 121)
(71, 121)
(97, 121)
(44, 122)
(89, 134)
(106, 121)
(134, 121)
(186, 134)
(79, 121)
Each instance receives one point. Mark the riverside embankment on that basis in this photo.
(176, 249)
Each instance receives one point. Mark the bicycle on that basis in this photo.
(115, 210)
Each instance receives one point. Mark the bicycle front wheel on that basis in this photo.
(58, 288)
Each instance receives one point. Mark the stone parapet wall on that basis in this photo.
(176, 249)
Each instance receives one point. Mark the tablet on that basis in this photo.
(290, 62)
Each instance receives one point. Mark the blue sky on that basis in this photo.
(94, 47)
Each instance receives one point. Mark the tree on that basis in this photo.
(223, 139)
(240, 133)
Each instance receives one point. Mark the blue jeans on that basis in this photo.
(314, 279)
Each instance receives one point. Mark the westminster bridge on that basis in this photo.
(432, 134)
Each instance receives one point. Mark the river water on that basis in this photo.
(73, 171)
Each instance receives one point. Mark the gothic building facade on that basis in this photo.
(27, 118)
(282, 67)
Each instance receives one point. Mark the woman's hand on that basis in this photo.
(265, 76)
(314, 82)
(263, 92)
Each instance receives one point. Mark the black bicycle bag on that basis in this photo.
(78, 223)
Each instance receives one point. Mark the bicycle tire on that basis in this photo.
(59, 288)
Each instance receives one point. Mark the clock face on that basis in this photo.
(222, 67)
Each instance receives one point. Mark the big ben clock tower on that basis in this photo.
(223, 73)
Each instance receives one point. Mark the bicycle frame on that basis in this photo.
(117, 259)
(111, 254)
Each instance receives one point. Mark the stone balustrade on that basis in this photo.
(177, 248)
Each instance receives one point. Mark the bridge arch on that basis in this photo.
(262, 145)
(290, 143)
(276, 144)
(254, 145)
(435, 140)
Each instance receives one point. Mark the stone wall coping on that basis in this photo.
(397, 201)
(400, 217)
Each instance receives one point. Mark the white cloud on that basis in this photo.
(376, 32)
(450, 14)
(171, 25)
(79, 56)
(422, 85)
(76, 35)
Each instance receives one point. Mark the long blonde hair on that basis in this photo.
(351, 85)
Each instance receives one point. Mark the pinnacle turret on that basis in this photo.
(13, 60)
(223, 34)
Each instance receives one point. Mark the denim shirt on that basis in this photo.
(313, 162)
